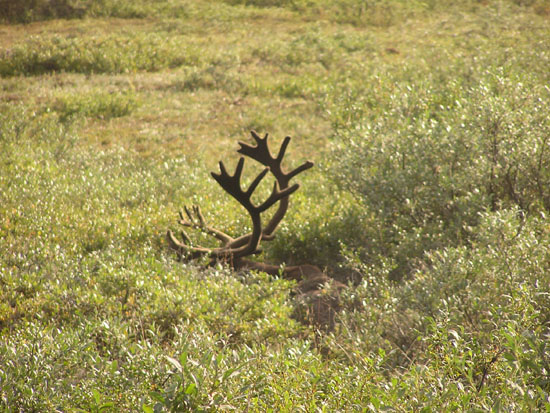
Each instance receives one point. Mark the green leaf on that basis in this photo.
(175, 363)
(191, 389)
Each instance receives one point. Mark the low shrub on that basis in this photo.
(475, 322)
(28, 11)
(32, 10)
(111, 54)
(440, 156)
(99, 105)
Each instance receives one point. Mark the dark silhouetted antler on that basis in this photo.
(261, 153)
(233, 249)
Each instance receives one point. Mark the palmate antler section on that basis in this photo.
(236, 248)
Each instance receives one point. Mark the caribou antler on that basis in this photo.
(261, 153)
(234, 249)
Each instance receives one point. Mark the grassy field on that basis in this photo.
(429, 124)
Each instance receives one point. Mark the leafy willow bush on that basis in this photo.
(442, 154)
(476, 322)
(377, 13)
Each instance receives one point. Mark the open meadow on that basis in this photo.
(429, 126)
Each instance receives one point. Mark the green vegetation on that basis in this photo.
(430, 128)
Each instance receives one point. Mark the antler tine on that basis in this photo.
(198, 214)
(231, 183)
(188, 213)
(277, 195)
(181, 248)
(282, 149)
(185, 237)
(256, 182)
(303, 167)
(195, 214)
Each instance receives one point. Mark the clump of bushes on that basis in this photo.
(439, 157)
(36, 10)
(106, 54)
(96, 105)
(476, 321)
(31, 10)
(450, 175)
